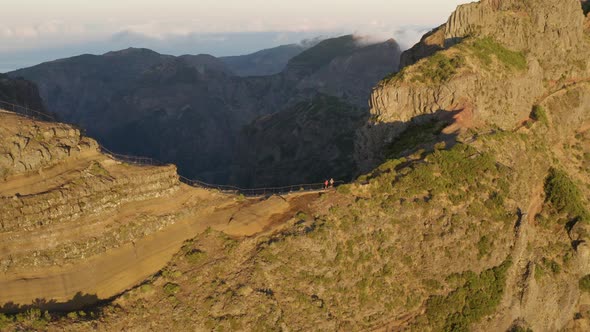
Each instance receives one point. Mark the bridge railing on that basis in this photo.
(264, 191)
(25, 111)
(146, 161)
(135, 160)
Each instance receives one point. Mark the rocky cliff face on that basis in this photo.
(543, 28)
(60, 201)
(495, 60)
(28, 148)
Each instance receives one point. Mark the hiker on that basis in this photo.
(326, 184)
(332, 183)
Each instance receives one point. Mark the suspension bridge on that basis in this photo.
(32, 114)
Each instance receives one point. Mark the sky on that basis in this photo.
(33, 31)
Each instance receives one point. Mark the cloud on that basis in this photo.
(405, 36)
(409, 36)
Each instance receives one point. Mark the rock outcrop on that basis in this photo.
(28, 146)
(549, 30)
(495, 60)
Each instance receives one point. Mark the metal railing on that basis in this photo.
(26, 112)
(265, 191)
(134, 160)
(146, 161)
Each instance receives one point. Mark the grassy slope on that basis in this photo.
(479, 53)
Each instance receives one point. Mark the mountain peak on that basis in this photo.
(548, 28)
(133, 51)
(556, 23)
(519, 51)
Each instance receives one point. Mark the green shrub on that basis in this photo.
(171, 288)
(195, 256)
(538, 114)
(393, 77)
(432, 284)
(554, 267)
(34, 318)
(484, 247)
(485, 48)
(146, 288)
(343, 189)
(301, 215)
(539, 272)
(564, 195)
(439, 68)
(519, 328)
(5, 321)
(478, 297)
(98, 170)
(585, 284)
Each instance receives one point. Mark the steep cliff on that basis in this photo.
(494, 61)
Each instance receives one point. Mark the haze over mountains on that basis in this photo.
(472, 212)
(192, 110)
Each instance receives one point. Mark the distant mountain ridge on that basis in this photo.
(263, 63)
(189, 110)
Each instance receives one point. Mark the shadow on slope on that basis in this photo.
(78, 302)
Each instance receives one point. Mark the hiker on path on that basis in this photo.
(332, 183)
(326, 184)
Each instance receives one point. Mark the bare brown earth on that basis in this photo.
(121, 268)
(122, 263)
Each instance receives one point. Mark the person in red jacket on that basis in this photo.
(326, 184)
